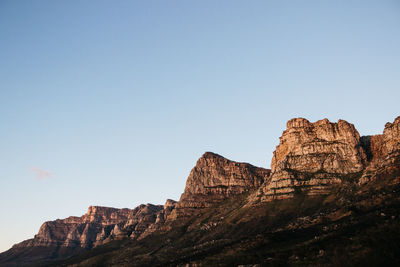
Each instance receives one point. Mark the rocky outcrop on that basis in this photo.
(142, 217)
(311, 157)
(383, 152)
(159, 223)
(81, 231)
(215, 178)
(98, 226)
(320, 146)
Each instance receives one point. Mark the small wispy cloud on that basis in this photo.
(41, 174)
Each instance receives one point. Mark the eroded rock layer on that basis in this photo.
(311, 157)
(383, 152)
(98, 226)
(215, 178)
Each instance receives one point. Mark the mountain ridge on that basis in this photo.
(313, 160)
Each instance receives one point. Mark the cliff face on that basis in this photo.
(383, 152)
(78, 231)
(215, 178)
(98, 226)
(319, 147)
(311, 159)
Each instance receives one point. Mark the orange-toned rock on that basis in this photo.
(319, 146)
(98, 226)
(215, 178)
(383, 152)
(311, 157)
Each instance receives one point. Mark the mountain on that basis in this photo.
(215, 178)
(331, 198)
(313, 157)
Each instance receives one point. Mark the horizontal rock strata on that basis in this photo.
(215, 178)
(98, 226)
(311, 157)
(383, 152)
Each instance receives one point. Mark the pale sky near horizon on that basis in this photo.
(112, 102)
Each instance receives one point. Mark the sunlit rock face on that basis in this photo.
(98, 226)
(311, 157)
(319, 146)
(81, 231)
(215, 178)
(383, 152)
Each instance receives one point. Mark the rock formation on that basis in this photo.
(311, 157)
(383, 152)
(215, 178)
(78, 231)
(159, 223)
(98, 226)
(319, 146)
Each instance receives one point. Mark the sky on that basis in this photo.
(111, 103)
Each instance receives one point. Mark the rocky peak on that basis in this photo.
(391, 135)
(311, 157)
(392, 126)
(215, 178)
(322, 145)
(383, 152)
(216, 174)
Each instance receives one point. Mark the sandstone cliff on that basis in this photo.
(320, 146)
(312, 159)
(383, 152)
(215, 178)
(98, 226)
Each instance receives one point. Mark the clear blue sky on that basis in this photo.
(118, 99)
